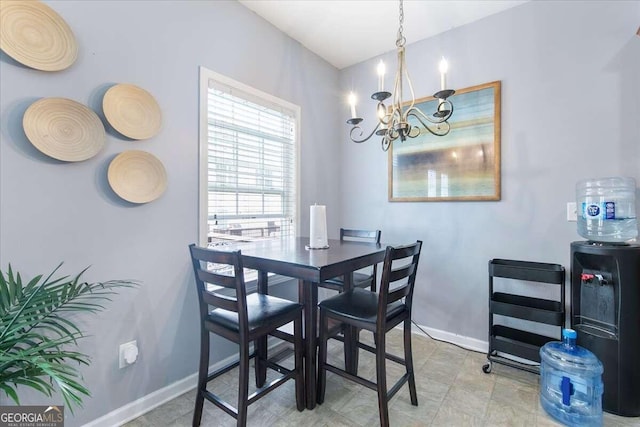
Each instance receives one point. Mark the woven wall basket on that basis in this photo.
(137, 176)
(36, 36)
(64, 129)
(132, 111)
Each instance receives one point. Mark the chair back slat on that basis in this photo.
(397, 275)
(220, 301)
(401, 272)
(397, 294)
(208, 255)
(352, 234)
(217, 279)
(363, 236)
(407, 256)
(406, 251)
(201, 258)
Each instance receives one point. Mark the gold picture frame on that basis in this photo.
(463, 165)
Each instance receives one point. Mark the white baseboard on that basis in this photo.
(139, 407)
(152, 400)
(461, 340)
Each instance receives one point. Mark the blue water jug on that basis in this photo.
(571, 382)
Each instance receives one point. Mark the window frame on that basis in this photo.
(203, 183)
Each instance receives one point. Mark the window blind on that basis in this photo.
(251, 166)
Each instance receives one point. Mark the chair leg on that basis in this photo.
(299, 350)
(261, 357)
(351, 336)
(408, 358)
(381, 379)
(351, 350)
(243, 385)
(203, 372)
(322, 357)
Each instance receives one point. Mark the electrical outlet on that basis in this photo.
(572, 212)
(128, 354)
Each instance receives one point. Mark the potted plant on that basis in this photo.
(38, 340)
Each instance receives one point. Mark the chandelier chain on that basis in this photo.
(400, 40)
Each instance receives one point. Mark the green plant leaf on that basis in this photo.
(36, 332)
(35, 383)
(11, 392)
(5, 295)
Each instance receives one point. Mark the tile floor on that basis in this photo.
(452, 391)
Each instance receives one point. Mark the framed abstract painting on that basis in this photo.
(462, 165)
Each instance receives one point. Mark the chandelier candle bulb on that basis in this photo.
(381, 71)
(444, 67)
(352, 104)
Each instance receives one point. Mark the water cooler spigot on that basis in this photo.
(586, 277)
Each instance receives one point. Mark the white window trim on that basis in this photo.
(205, 76)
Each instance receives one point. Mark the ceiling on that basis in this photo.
(345, 32)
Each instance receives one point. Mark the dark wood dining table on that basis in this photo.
(289, 257)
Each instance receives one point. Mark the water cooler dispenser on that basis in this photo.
(605, 311)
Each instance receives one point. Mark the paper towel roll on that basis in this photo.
(318, 232)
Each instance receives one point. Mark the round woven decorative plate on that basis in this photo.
(64, 129)
(132, 111)
(36, 36)
(137, 176)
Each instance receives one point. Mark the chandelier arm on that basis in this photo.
(388, 138)
(384, 120)
(359, 141)
(397, 89)
(392, 134)
(414, 111)
(447, 107)
(406, 73)
(397, 115)
(442, 128)
(416, 133)
(386, 143)
(446, 101)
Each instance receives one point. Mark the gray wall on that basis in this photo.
(570, 75)
(52, 211)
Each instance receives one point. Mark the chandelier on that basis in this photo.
(393, 121)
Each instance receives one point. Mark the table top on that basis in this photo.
(289, 257)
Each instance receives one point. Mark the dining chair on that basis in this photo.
(378, 313)
(360, 279)
(242, 319)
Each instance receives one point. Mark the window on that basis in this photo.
(248, 165)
